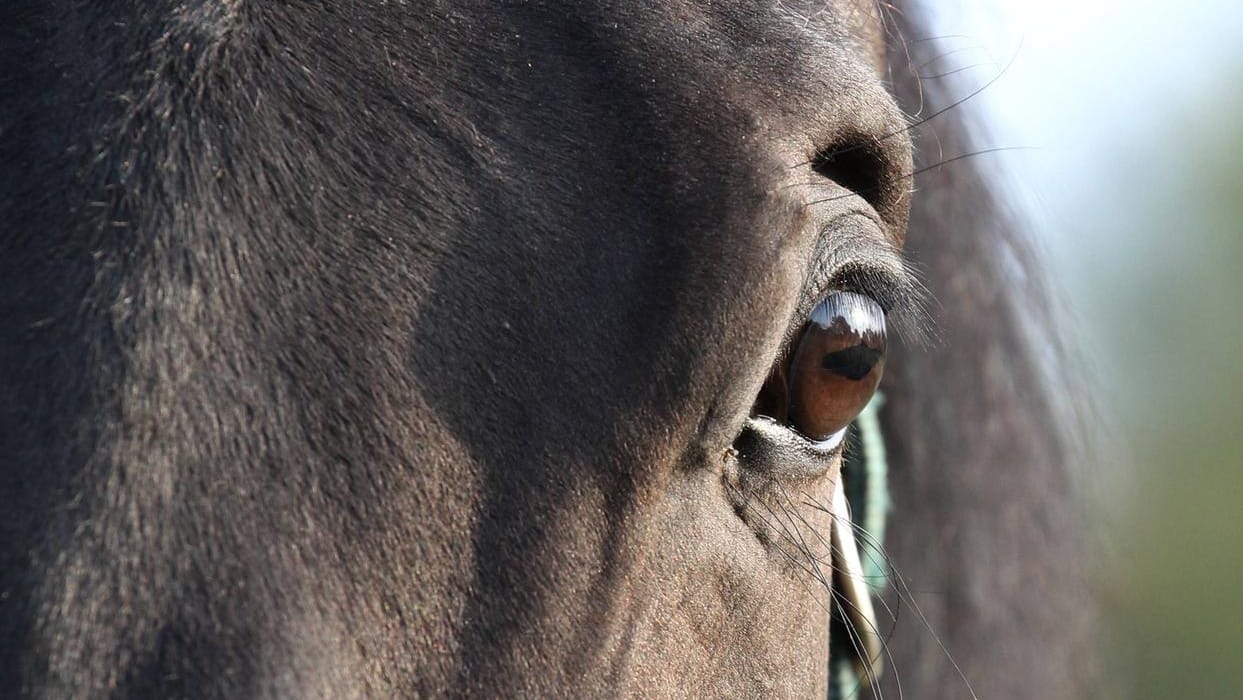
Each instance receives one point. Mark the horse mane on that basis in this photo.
(990, 591)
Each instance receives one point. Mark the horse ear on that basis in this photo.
(989, 584)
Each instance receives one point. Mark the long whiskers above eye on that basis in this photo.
(948, 73)
(918, 122)
(916, 172)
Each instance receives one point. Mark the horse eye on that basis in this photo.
(836, 364)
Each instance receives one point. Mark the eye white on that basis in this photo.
(831, 442)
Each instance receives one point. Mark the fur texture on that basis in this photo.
(375, 349)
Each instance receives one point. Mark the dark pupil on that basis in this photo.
(852, 363)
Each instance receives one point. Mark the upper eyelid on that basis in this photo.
(855, 259)
(850, 257)
(886, 285)
(892, 285)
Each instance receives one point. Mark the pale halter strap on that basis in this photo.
(860, 502)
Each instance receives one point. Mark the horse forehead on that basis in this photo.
(727, 96)
(773, 59)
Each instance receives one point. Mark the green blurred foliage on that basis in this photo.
(1165, 307)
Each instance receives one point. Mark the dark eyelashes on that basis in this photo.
(854, 261)
(891, 284)
(899, 294)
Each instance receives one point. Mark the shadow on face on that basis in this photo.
(643, 241)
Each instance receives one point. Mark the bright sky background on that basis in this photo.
(1086, 80)
(1098, 88)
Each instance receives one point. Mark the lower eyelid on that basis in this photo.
(768, 447)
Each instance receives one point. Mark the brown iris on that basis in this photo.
(833, 370)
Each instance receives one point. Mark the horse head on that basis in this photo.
(466, 348)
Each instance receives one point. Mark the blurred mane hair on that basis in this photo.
(985, 532)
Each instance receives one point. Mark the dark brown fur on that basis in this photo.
(372, 350)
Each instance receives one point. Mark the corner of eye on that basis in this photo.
(765, 446)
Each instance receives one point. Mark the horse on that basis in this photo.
(421, 350)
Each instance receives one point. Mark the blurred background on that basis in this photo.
(1134, 185)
